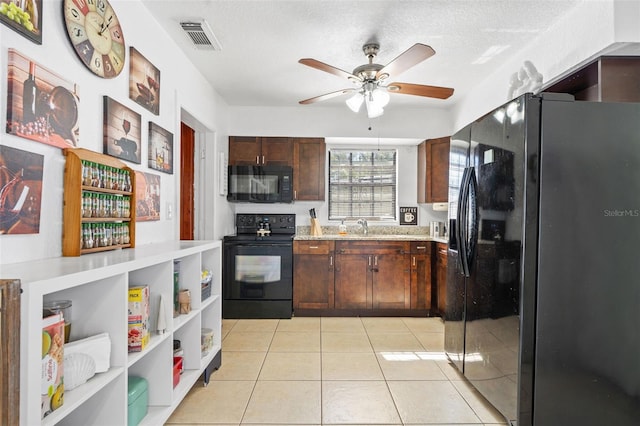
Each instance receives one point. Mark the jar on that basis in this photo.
(53, 307)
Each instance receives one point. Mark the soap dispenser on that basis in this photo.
(342, 229)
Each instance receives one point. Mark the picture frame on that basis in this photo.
(160, 149)
(147, 197)
(21, 188)
(121, 135)
(42, 106)
(144, 81)
(31, 28)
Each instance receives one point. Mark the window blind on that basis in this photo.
(362, 184)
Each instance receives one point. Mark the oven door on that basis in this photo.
(258, 270)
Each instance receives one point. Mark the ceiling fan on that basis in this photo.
(371, 79)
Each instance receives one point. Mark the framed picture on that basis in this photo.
(160, 149)
(147, 197)
(25, 19)
(41, 105)
(121, 132)
(20, 191)
(144, 82)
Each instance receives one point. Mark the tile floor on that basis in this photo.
(335, 371)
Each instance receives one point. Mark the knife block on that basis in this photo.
(316, 230)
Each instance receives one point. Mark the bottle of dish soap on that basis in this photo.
(342, 229)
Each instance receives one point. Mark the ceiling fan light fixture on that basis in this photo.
(374, 108)
(355, 102)
(380, 97)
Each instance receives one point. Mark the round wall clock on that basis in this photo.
(96, 35)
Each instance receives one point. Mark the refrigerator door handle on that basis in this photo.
(460, 219)
(471, 221)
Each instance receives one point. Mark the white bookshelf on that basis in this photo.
(97, 285)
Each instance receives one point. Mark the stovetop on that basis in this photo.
(265, 225)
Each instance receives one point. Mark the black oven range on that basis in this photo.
(257, 273)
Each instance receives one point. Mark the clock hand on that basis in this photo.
(103, 27)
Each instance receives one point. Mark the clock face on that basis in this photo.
(96, 35)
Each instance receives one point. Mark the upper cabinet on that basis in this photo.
(308, 168)
(305, 155)
(607, 79)
(433, 170)
(260, 151)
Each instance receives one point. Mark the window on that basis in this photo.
(362, 184)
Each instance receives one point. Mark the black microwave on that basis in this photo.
(260, 184)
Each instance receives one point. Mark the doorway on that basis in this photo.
(187, 150)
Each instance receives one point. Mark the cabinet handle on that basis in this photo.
(443, 252)
(421, 248)
(369, 260)
(257, 159)
(330, 260)
(295, 194)
(263, 159)
(313, 247)
(375, 260)
(413, 261)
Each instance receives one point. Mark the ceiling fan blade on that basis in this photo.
(327, 96)
(420, 90)
(328, 68)
(407, 59)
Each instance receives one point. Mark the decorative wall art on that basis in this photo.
(147, 197)
(160, 149)
(121, 132)
(41, 105)
(25, 19)
(20, 191)
(144, 82)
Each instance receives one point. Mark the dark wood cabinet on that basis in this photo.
(372, 275)
(441, 277)
(262, 151)
(606, 79)
(421, 278)
(309, 168)
(313, 268)
(433, 170)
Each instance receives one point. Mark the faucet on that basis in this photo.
(365, 226)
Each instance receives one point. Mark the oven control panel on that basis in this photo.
(274, 223)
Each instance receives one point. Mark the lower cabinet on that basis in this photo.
(97, 285)
(362, 277)
(313, 283)
(421, 278)
(372, 275)
(441, 277)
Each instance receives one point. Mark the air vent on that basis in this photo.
(201, 35)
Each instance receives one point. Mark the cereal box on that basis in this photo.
(138, 333)
(52, 391)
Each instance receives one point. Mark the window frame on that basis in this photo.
(391, 215)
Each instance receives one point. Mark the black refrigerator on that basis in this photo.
(543, 281)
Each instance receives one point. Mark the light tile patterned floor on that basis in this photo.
(335, 371)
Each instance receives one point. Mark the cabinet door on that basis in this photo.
(244, 150)
(276, 152)
(353, 281)
(313, 281)
(421, 277)
(391, 281)
(420, 281)
(441, 276)
(433, 171)
(308, 168)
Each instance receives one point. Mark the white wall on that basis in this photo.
(581, 35)
(182, 87)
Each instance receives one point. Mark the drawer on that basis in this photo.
(313, 247)
(421, 247)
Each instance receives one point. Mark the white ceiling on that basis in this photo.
(262, 42)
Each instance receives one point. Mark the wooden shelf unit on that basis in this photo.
(72, 202)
